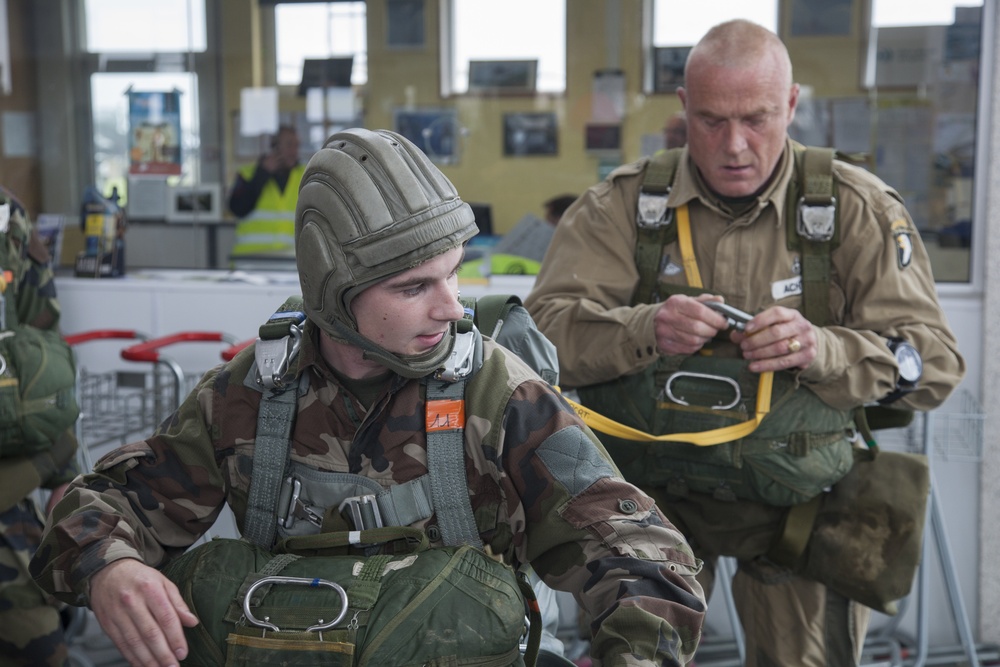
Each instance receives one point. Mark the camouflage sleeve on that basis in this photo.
(36, 290)
(587, 531)
(148, 500)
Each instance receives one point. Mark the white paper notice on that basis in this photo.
(258, 111)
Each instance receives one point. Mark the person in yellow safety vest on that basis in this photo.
(264, 198)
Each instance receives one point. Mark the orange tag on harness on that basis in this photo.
(445, 415)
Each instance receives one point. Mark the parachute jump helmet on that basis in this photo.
(371, 205)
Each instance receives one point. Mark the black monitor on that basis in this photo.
(484, 218)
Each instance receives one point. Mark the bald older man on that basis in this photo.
(624, 294)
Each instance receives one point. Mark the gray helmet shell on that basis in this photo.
(370, 206)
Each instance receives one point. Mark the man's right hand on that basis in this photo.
(142, 612)
(271, 162)
(683, 325)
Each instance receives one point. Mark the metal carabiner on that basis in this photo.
(704, 376)
(300, 581)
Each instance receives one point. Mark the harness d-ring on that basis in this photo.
(300, 581)
(703, 376)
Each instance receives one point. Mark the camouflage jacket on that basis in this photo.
(543, 492)
(30, 299)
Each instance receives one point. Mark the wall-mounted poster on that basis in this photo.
(530, 134)
(434, 131)
(154, 132)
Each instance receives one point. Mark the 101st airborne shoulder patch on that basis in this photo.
(901, 236)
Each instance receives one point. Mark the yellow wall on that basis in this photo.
(517, 185)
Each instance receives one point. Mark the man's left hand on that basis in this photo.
(777, 339)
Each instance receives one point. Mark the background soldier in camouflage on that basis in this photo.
(380, 233)
(31, 629)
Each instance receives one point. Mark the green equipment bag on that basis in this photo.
(442, 606)
(799, 449)
(867, 532)
(37, 390)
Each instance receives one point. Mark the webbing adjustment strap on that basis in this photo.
(445, 426)
(812, 200)
(654, 223)
(717, 436)
(791, 542)
(275, 417)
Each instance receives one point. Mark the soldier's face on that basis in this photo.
(738, 119)
(410, 313)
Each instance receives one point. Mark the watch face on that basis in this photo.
(911, 366)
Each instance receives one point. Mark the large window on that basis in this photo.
(145, 26)
(318, 31)
(156, 63)
(680, 23)
(922, 76)
(515, 32)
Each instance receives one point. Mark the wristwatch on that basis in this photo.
(911, 367)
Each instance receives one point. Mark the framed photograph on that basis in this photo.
(195, 203)
(434, 131)
(530, 134)
(668, 67)
(603, 137)
(502, 76)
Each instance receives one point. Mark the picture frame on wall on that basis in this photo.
(502, 76)
(530, 133)
(434, 131)
(668, 67)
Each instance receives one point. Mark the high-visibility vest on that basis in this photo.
(270, 228)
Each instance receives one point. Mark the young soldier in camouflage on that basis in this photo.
(379, 237)
(31, 629)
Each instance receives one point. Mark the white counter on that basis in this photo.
(161, 302)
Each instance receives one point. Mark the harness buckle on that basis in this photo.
(816, 222)
(362, 512)
(652, 210)
(703, 376)
(459, 362)
(293, 507)
(275, 356)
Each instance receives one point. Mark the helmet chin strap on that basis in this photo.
(409, 366)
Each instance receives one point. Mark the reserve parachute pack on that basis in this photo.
(37, 368)
(288, 592)
(784, 445)
(856, 514)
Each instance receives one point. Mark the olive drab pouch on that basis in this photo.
(867, 533)
(37, 390)
(37, 369)
(307, 606)
(800, 447)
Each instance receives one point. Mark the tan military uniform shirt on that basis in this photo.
(881, 283)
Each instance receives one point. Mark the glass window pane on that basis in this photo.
(923, 72)
(501, 31)
(320, 30)
(680, 23)
(168, 26)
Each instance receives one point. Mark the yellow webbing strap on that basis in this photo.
(687, 248)
(717, 436)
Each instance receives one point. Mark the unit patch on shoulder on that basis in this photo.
(901, 236)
